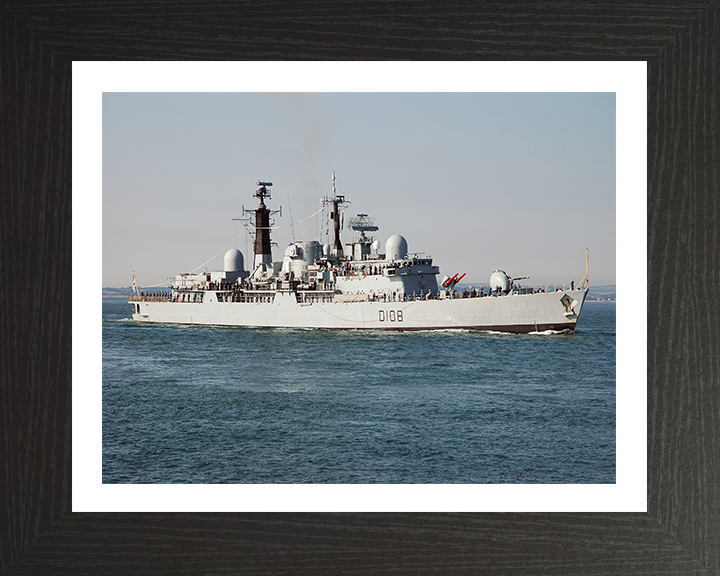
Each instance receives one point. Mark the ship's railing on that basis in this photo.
(522, 290)
(184, 296)
(566, 287)
(251, 297)
(315, 296)
(151, 297)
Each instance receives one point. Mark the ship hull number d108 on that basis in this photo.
(390, 315)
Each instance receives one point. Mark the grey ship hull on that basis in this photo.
(518, 313)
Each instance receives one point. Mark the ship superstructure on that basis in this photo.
(352, 287)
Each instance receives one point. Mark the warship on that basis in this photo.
(352, 287)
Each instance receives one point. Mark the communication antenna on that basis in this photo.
(587, 269)
(292, 224)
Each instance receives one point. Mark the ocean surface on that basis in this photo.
(193, 404)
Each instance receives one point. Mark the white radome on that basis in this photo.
(396, 247)
(234, 261)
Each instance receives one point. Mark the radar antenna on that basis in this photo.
(263, 191)
(362, 223)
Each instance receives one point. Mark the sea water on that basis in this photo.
(198, 404)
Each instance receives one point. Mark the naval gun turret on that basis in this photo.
(500, 281)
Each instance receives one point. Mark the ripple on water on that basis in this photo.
(191, 404)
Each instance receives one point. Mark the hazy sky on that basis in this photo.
(479, 181)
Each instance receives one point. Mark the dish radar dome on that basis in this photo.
(234, 261)
(396, 247)
(499, 279)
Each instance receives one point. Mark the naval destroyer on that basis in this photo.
(352, 287)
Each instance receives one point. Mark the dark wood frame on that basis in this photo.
(681, 530)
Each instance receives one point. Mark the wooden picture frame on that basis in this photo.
(680, 532)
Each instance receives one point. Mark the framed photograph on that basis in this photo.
(52, 397)
(456, 420)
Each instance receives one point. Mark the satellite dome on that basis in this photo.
(234, 261)
(499, 279)
(326, 250)
(376, 245)
(396, 247)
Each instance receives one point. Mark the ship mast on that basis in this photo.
(338, 202)
(263, 252)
